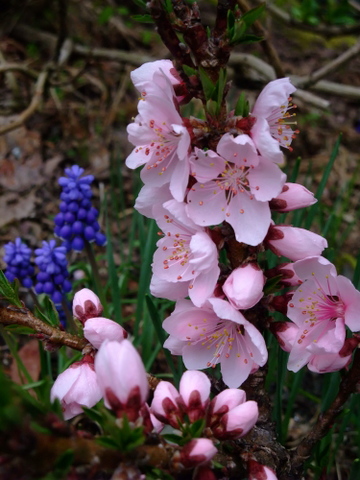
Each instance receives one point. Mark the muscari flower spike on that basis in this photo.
(52, 278)
(17, 257)
(77, 221)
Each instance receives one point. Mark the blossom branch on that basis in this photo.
(325, 421)
(12, 315)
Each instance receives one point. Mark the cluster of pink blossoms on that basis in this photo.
(113, 370)
(200, 176)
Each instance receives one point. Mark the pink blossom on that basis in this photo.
(195, 391)
(77, 386)
(230, 415)
(150, 197)
(321, 308)
(185, 255)
(161, 143)
(165, 404)
(169, 406)
(257, 471)
(236, 186)
(196, 452)
(217, 333)
(292, 197)
(244, 286)
(146, 77)
(288, 333)
(238, 421)
(122, 377)
(272, 126)
(99, 329)
(86, 304)
(294, 243)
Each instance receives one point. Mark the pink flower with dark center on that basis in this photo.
(76, 387)
(230, 416)
(272, 127)
(122, 378)
(99, 329)
(197, 452)
(292, 197)
(170, 406)
(216, 333)
(161, 143)
(260, 472)
(236, 186)
(186, 254)
(321, 308)
(294, 243)
(86, 304)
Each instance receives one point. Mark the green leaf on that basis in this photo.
(207, 84)
(242, 107)
(8, 292)
(250, 38)
(105, 15)
(154, 315)
(230, 24)
(212, 107)
(189, 70)
(196, 428)
(145, 18)
(252, 15)
(173, 438)
(140, 3)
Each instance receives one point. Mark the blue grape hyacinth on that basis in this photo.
(77, 221)
(17, 257)
(52, 278)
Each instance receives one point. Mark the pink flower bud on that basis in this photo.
(294, 243)
(244, 287)
(223, 403)
(257, 471)
(99, 329)
(288, 275)
(122, 377)
(86, 305)
(204, 473)
(196, 452)
(227, 400)
(238, 421)
(164, 405)
(285, 333)
(292, 197)
(77, 386)
(195, 391)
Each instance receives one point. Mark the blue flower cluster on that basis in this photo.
(17, 256)
(52, 278)
(77, 221)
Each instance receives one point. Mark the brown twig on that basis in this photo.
(11, 315)
(34, 104)
(326, 420)
(265, 44)
(332, 66)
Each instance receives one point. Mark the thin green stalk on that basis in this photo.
(96, 276)
(294, 391)
(13, 350)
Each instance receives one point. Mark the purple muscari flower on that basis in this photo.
(77, 221)
(17, 256)
(52, 278)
